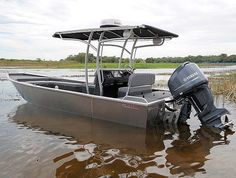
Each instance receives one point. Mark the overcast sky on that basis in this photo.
(205, 27)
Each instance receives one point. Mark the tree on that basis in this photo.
(150, 60)
(81, 57)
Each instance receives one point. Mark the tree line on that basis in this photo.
(92, 59)
(222, 58)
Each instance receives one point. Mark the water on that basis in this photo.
(36, 142)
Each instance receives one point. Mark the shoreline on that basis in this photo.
(7, 64)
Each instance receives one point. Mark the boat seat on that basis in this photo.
(139, 83)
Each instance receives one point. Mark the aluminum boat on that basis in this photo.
(121, 95)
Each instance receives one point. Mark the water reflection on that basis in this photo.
(103, 149)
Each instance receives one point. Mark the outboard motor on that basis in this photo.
(189, 87)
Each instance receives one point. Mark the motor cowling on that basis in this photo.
(188, 85)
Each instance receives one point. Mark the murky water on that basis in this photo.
(36, 142)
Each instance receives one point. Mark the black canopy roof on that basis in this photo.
(142, 32)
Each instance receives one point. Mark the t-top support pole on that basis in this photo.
(122, 52)
(98, 65)
(86, 62)
(132, 53)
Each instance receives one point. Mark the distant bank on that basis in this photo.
(5, 63)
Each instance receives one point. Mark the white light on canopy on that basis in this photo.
(158, 41)
(126, 33)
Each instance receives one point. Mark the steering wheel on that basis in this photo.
(130, 70)
(124, 72)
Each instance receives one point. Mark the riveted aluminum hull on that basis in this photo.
(92, 106)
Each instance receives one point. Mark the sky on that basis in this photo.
(205, 27)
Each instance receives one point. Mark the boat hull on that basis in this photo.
(92, 106)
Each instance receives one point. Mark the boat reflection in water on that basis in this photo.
(103, 148)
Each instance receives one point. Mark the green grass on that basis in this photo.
(143, 65)
(72, 64)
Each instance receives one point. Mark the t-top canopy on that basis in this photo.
(141, 32)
